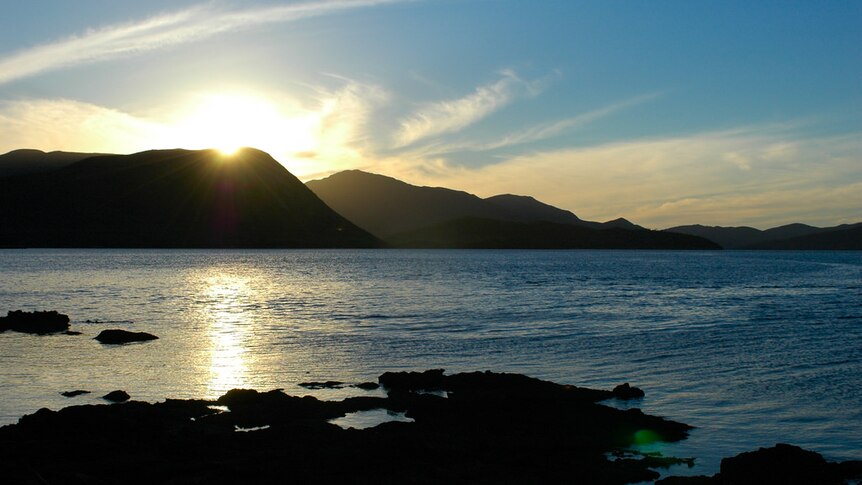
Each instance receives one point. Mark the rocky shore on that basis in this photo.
(477, 427)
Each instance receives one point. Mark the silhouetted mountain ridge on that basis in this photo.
(525, 208)
(170, 198)
(789, 236)
(475, 233)
(26, 161)
(186, 198)
(847, 238)
(386, 206)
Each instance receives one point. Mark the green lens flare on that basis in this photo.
(646, 436)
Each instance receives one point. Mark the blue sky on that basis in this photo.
(662, 112)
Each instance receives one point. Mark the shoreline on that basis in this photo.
(467, 427)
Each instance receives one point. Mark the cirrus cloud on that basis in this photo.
(159, 32)
(456, 114)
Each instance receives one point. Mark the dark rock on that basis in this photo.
(693, 480)
(625, 391)
(781, 464)
(74, 393)
(71, 332)
(367, 386)
(116, 396)
(322, 385)
(39, 323)
(493, 428)
(413, 381)
(114, 336)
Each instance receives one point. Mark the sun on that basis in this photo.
(227, 150)
(230, 121)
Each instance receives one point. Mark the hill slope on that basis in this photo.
(474, 233)
(751, 238)
(386, 206)
(526, 209)
(170, 198)
(839, 239)
(24, 161)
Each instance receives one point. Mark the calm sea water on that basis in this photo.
(753, 348)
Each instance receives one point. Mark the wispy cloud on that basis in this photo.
(166, 30)
(452, 115)
(531, 134)
(549, 130)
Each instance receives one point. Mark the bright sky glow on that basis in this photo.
(228, 122)
(665, 113)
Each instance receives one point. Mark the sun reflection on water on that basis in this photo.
(226, 296)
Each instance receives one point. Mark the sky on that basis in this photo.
(662, 112)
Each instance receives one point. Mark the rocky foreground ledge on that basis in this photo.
(500, 428)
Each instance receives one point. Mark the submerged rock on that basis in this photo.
(322, 385)
(115, 336)
(116, 396)
(689, 480)
(367, 386)
(37, 322)
(74, 393)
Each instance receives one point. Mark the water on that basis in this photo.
(753, 348)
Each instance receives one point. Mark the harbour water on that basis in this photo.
(752, 348)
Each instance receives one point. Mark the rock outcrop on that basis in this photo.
(40, 323)
(117, 396)
(74, 393)
(117, 337)
(781, 464)
(492, 428)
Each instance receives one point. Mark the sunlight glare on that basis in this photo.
(226, 296)
(230, 121)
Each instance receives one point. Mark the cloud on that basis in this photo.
(344, 133)
(532, 134)
(678, 180)
(159, 32)
(62, 124)
(453, 115)
(328, 134)
(818, 205)
(548, 130)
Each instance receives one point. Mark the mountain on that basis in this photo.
(749, 237)
(170, 198)
(24, 161)
(385, 206)
(475, 233)
(525, 208)
(829, 239)
(726, 237)
(791, 230)
(619, 223)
